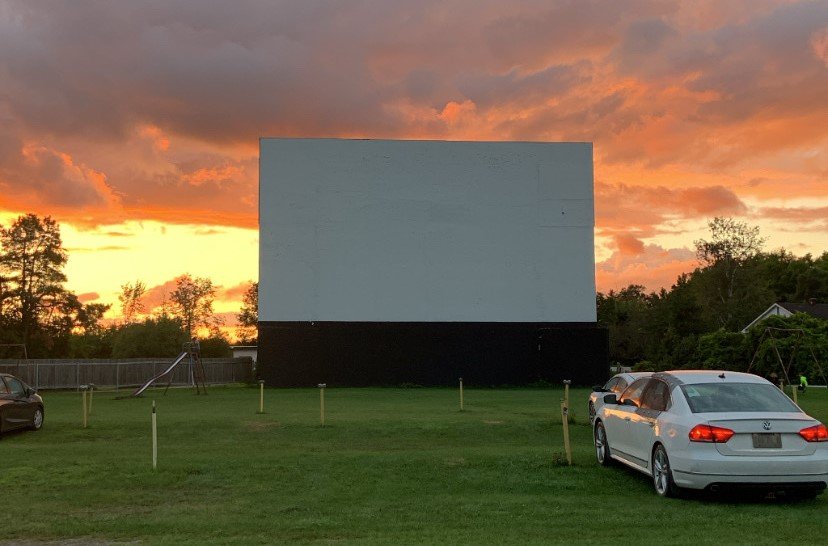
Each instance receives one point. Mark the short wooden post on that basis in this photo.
(322, 403)
(566, 383)
(154, 438)
(793, 390)
(261, 395)
(461, 394)
(83, 396)
(565, 422)
(91, 393)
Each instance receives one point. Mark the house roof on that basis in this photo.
(818, 310)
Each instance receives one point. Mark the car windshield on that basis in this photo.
(735, 397)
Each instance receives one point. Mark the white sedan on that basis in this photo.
(713, 430)
(616, 384)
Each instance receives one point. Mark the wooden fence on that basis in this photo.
(71, 374)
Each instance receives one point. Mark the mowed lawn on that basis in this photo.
(391, 466)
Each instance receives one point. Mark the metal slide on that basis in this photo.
(175, 363)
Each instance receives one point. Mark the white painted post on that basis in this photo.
(565, 422)
(261, 395)
(322, 403)
(461, 394)
(154, 439)
(85, 413)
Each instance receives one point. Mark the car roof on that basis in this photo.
(709, 376)
(636, 375)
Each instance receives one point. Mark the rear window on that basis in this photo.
(733, 397)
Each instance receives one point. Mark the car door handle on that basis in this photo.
(652, 424)
(626, 418)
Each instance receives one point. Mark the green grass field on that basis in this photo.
(398, 466)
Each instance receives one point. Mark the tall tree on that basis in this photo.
(131, 298)
(626, 314)
(192, 302)
(248, 317)
(725, 278)
(32, 259)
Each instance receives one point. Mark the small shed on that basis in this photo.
(241, 351)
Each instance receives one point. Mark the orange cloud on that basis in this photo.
(160, 142)
(453, 112)
(629, 245)
(233, 293)
(203, 176)
(88, 296)
(157, 295)
(626, 209)
(654, 267)
(819, 43)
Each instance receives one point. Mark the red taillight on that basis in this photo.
(709, 433)
(816, 433)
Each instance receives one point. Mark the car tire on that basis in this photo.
(37, 419)
(663, 474)
(602, 448)
(592, 412)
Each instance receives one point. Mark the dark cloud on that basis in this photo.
(112, 111)
(520, 89)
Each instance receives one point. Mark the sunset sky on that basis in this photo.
(136, 124)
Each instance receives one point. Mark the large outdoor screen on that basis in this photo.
(423, 231)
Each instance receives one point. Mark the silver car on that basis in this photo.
(713, 430)
(616, 384)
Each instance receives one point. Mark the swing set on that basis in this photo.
(780, 333)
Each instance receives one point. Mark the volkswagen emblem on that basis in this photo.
(766, 425)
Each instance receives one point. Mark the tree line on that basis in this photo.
(697, 323)
(41, 318)
(694, 324)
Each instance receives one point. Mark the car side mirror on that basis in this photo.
(31, 391)
(598, 388)
(610, 399)
(629, 402)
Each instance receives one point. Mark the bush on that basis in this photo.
(161, 337)
(644, 366)
(215, 347)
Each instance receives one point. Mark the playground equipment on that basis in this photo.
(799, 336)
(22, 346)
(191, 352)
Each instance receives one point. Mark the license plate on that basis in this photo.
(767, 441)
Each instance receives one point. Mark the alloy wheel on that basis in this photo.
(662, 474)
(37, 422)
(601, 451)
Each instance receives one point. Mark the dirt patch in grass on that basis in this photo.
(263, 425)
(459, 461)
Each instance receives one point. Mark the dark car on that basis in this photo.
(20, 405)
